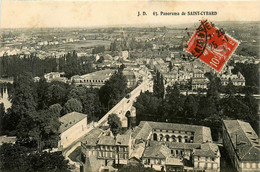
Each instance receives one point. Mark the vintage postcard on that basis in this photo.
(129, 86)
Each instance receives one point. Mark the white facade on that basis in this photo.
(72, 129)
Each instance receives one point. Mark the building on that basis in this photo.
(73, 126)
(124, 55)
(7, 139)
(103, 149)
(130, 77)
(242, 145)
(237, 80)
(170, 147)
(95, 79)
(199, 81)
(55, 76)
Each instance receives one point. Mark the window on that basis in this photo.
(155, 137)
(253, 165)
(247, 165)
(148, 162)
(171, 151)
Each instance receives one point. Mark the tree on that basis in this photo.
(45, 162)
(147, 107)
(17, 158)
(158, 86)
(115, 127)
(42, 89)
(113, 90)
(230, 89)
(89, 99)
(23, 99)
(56, 109)
(234, 107)
(114, 124)
(170, 66)
(213, 88)
(207, 107)
(2, 115)
(45, 129)
(13, 157)
(72, 105)
(56, 94)
(190, 107)
(173, 104)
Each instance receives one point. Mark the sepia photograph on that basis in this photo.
(129, 86)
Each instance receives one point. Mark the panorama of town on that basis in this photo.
(127, 99)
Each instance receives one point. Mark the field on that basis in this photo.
(78, 46)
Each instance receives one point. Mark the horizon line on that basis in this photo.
(122, 26)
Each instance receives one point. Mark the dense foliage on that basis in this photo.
(17, 158)
(207, 110)
(114, 123)
(158, 86)
(70, 63)
(114, 89)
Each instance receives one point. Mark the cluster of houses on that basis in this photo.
(191, 73)
(163, 146)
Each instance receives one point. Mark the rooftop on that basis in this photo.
(244, 139)
(70, 119)
(7, 139)
(157, 150)
(98, 75)
(207, 150)
(92, 137)
(143, 131)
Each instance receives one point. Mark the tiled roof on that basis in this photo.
(185, 146)
(123, 140)
(144, 131)
(244, 139)
(201, 133)
(110, 140)
(92, 137)
(207, 150)
(99, 75)
(138, 150)
(106, 140)
(70, 119)
(157, 150)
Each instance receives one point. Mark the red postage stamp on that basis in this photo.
(211, 45)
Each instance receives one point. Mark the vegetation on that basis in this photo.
(17, 158)
(207, 110)
(114, 90)
(114, 124)
(72, 105)
(70, 63)
(158, 86)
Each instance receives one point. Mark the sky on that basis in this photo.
(41, 14)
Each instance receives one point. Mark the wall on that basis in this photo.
(73, 133)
